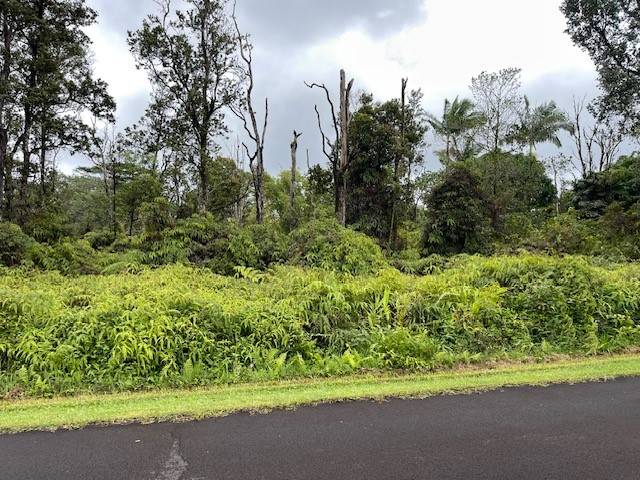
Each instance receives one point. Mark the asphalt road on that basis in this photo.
(589, 431)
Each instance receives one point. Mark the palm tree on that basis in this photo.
(459, 119)
(540, 125)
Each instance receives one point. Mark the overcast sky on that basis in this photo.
(438, 44)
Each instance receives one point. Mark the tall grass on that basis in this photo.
(183, 326)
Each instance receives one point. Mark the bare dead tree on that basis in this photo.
(337, 150)
(238, 207)
(247, 114)
(104, 157)
(596, 146)
(559, 167)
(294, 167)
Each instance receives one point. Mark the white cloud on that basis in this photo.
(458, 40)
(115, 65)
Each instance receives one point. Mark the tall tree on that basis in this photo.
(457, 127)
(249, 117)
(294, 167)
(386, 140)
(55, 86)
(597, 139)
(10, 20)
(609, 31)
(190, 57)
(497, 95)
(539, 125)
(337, 150)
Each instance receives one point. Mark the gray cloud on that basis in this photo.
(283, 30)
(122, 15)
(287, 22)
(295, 23)
(277, 26)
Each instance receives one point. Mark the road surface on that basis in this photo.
(588, 431)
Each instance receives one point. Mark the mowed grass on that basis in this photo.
(180, 405)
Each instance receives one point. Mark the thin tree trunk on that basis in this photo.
(131, 220)
(8, 189)
(341, 191)
(4, 129)
(203, 180)
(25, 170)
(43, 165)
(393, 228)
(259, 188)
(4, 145)
(294, 168)
(114, 181)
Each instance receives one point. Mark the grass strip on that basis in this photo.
(177, 405)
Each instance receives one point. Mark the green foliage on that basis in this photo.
(219, 245)
(71, 257)
(459, 214)
(14, 244)
(608, 31)
(512, 184)
(618, 184)
(47, 226)
(156, 216)
(181, 325)
(326, 244)
(100, 238)
(386, 140)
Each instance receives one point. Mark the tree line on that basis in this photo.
(374, 178)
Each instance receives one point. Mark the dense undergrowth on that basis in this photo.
(182, 325)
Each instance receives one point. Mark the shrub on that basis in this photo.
(48, 226)
(181, 325)
(411, 263)
(566, 234)
(326, 244)
(68, 257)
(14, 244)
(219, 245)
(459, 213)
(156, 216)
(100, 238)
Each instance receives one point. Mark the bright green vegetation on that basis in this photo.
(219, 401)
(159, 263)
(182, 326)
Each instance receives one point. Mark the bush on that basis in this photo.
(328, 245)
(568, 235)
(219, 245)
(48, 226)
(411, 263)
(156, 216)
(100, 238)
(14, 244)
(459, 214)
(181, 325)
(70, 257)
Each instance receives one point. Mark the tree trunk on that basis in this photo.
(25, 170)
(294, 168)
(203, 180)
(343, 158)
(114, 180)
(258, 186)
(4, 128)
(43, 164)
(393, 228)
(4, 144)
(132, 213)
